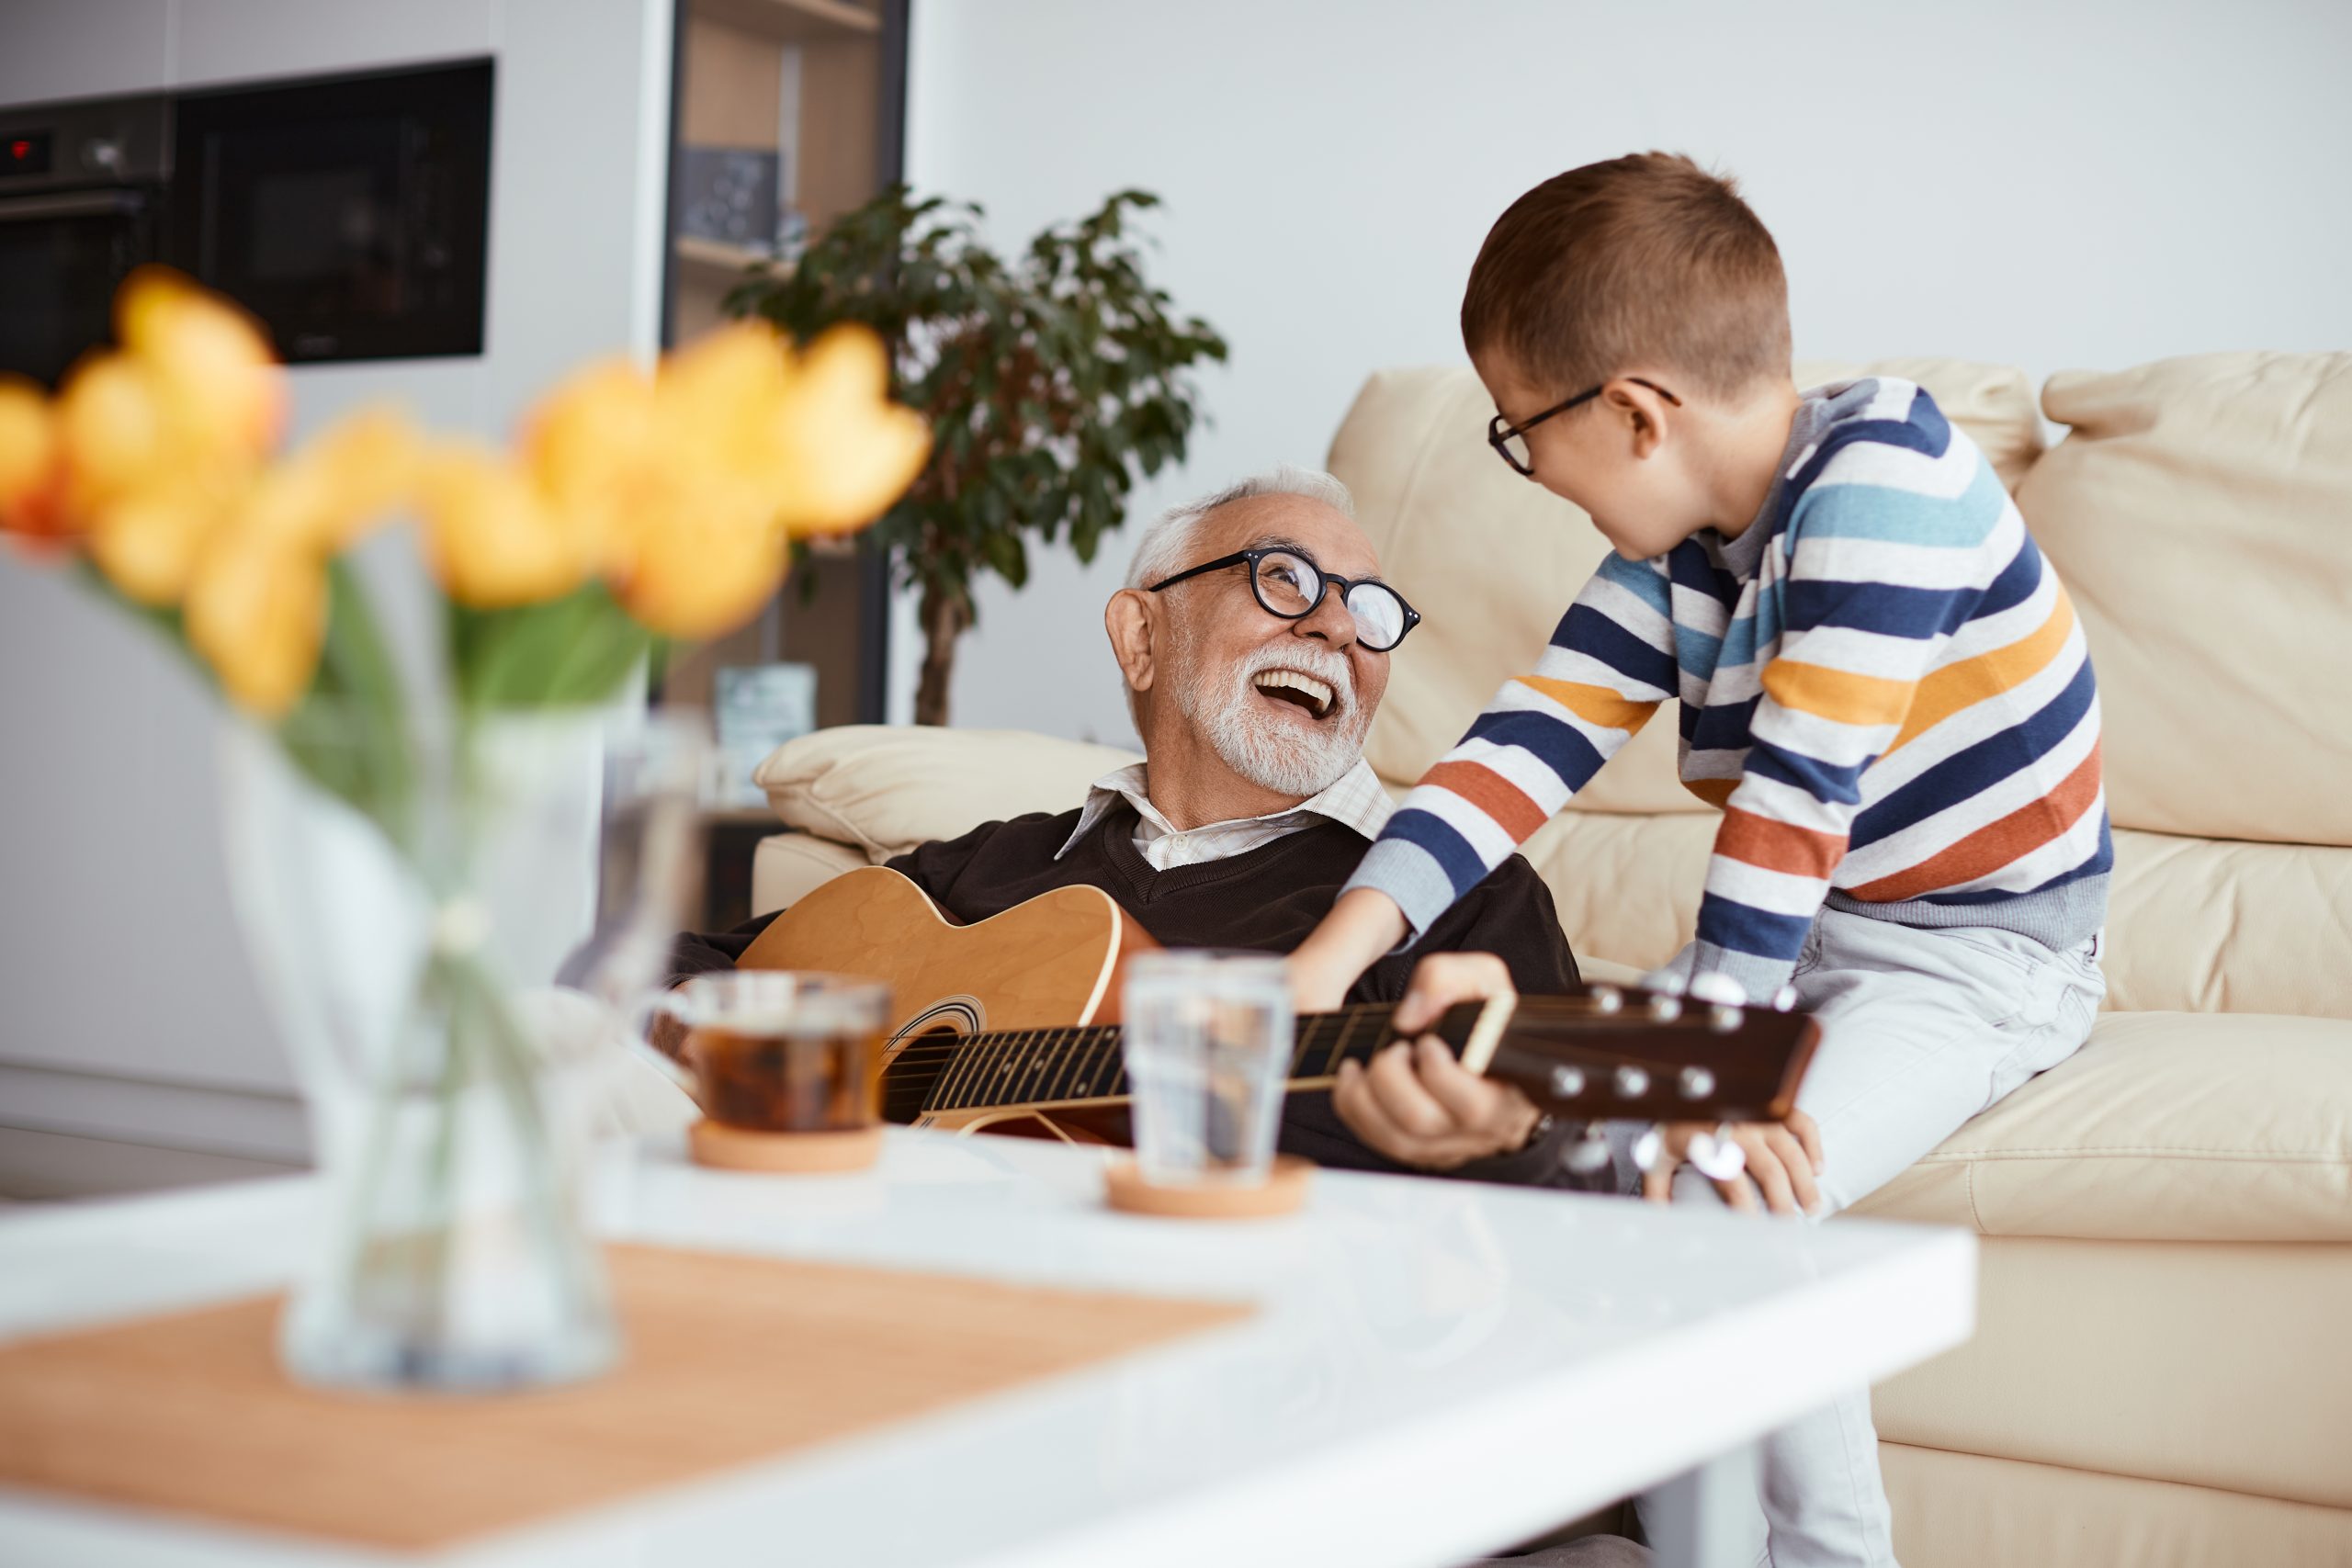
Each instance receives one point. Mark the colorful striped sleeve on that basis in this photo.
(1609, 665)
(1878, 575)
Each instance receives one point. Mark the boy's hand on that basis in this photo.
(1419, 1105)
(1782, 1160)
(1361, 926)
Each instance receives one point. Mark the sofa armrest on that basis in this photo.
(788, 866)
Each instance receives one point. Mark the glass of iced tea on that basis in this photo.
(777, 1052)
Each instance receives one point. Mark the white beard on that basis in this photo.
(1260, 745)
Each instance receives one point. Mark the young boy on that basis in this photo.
(1881, 683)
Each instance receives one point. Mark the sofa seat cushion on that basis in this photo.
(883, 789)
(2202, 1364)
(1956, 1510)
(2165, 1127)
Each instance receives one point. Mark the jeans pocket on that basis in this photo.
(2021, 953)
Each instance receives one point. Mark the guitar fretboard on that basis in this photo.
(1058, 1066)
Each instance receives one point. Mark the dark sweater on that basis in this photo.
(1267, 900)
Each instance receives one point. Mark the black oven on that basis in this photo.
(82, 192)
(351, 215)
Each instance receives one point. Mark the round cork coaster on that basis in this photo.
(741, 1148)
(1284, 1191)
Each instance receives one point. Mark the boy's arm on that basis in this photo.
(1609, 665)
(1835, 698)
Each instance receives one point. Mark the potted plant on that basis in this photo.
(1052, 381)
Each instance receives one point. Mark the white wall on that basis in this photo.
(2048, 185)
(121, 969)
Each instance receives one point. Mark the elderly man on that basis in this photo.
(1254, 633)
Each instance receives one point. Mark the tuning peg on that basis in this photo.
(1649, 1148)
(1607, 998)
(1666, 1009)
(1714, 986)
(1717, 1155)
(1630, 1082)
(1695, 1082)
(1567, 1082)
(1589, 1155)
(1784, 999)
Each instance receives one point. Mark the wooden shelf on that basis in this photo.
(793, 21)
(716, 256)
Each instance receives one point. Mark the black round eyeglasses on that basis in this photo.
(1288, 583)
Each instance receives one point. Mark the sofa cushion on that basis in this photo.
(1493, 561)
(883, 789)
(2201, 513)
(2166, 1127)
(2201, 1364)
(1627, 889)
(788, 867)
(2213, 925)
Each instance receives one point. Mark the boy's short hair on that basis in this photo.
(1645, 260)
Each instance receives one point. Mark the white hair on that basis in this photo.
(1165, 545)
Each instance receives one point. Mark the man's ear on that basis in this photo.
(1128, 620)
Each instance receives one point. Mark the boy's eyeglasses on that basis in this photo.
(1510, 441)
(1289, 584)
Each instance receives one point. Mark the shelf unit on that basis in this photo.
(821, 82)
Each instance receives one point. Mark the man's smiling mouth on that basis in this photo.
(1305, 691)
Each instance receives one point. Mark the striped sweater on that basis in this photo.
(1883, 685)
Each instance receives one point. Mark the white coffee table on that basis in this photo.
(1437, 1370)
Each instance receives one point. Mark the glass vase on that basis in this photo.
(408, 941)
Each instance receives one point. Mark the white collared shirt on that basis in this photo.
(1357, 800)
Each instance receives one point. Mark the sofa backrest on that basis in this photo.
(2200, 514)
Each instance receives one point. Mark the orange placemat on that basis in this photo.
(730, 1360)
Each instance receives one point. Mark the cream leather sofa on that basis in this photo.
(2162, 1369)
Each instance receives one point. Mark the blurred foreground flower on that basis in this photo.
(668, 498)
(32, 478)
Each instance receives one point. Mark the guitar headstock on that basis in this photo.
(1614, 1052)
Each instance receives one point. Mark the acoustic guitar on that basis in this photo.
(1014, 1019)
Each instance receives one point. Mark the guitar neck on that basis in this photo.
(1598, 1054)
(981, 1072)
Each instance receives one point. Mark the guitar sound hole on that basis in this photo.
(915, 1071)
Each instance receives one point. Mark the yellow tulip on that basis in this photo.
(340, 484)
(29, 474)
(840, 451)
(149, 542)
(706, 558)
(113, 428)
(257, 614)
(591, 446)
(491, 537)
(214, 359)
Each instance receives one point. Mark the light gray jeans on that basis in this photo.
(1920, 1029)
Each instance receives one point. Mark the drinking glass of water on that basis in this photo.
(1209, 1048)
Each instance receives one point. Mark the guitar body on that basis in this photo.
(1054, 963)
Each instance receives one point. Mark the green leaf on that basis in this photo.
(569, 652)
(350, 732)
